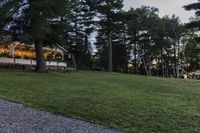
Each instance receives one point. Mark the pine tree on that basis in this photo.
(81, 24)
(7, 11)
(107, 11)
(33, 24)
(195, 22)
(175, 31)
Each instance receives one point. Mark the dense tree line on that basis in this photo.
(134, 41)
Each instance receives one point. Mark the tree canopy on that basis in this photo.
(133, 41)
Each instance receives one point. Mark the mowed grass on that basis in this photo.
(127, 102)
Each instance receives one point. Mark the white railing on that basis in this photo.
(51, 63)
(62, 64)
(6, 60)
(23, 62)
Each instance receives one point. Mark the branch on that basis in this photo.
(17, 8)
(194, 6)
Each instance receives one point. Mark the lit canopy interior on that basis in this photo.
(23, 51)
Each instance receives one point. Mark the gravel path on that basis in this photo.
(16, 118)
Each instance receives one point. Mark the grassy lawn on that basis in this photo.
(127, 102)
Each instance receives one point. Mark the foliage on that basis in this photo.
(81, 26)
(31, 21)
(137, 40)
(111, 36)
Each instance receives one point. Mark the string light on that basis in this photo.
(22, 51)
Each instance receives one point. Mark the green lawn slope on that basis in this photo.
(127, 102)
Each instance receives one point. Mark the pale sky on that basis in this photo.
(166, 7)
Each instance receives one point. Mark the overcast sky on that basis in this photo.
(166, 7)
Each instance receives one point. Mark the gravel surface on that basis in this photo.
(16, 118)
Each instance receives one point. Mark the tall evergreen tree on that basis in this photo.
(175, 31)
(33, 23)
(107, 11)
(80, 19)
(145, 31)
(195, 22)
(192, 54)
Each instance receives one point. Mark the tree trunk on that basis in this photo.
(175, 62)
(110, 52)
(135, 57)
(162, 64)
(178, 61)
(163, 69)
(124, 44)
(41, 66)
(74, 62)
(149, 69)
(148, 61)
(166, 71)
(157, 71)
(145, 67)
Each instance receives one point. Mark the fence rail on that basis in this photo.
(29, 62)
